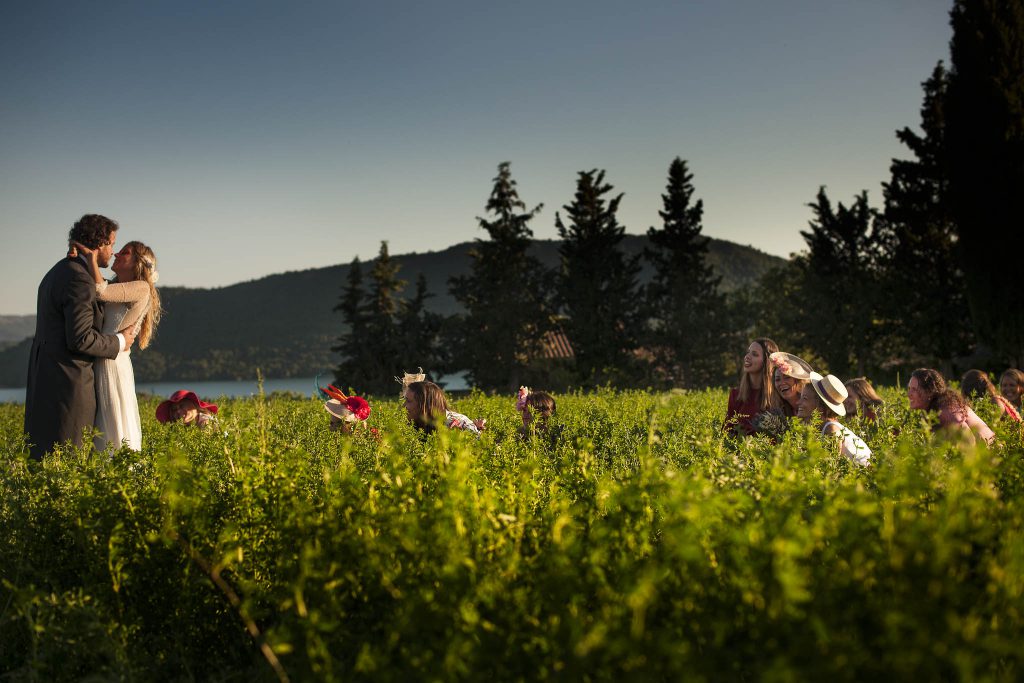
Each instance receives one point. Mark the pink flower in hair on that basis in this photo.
(524, 392)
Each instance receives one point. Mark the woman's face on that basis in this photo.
(805, 406)
(1010, 389)
(753, 360)
(412, 410)
(917, 395)
(184, 411)
(124, 264)
(787, 387)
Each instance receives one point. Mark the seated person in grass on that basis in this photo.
(536, 408)
(927, 390)
(862, 399)
(976, 386)
(755, 393)
(345, 411)
(185, 407)
(790, 375)
(1011, 386)
(825, 395)
(427, 407)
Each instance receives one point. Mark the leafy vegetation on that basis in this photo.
(640, 545)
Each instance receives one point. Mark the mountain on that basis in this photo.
(14, 328)
(285, 325)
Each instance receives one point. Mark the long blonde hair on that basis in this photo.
(145, 269)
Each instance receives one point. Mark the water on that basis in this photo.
(235, 389)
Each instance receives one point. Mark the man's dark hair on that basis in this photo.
(92, 230)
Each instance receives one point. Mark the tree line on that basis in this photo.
(929, 277)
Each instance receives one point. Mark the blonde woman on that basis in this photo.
(130, 301)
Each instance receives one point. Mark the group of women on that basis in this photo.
(775, 384)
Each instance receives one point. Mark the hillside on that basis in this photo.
(284, 324)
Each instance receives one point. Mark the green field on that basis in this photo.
(641, 546)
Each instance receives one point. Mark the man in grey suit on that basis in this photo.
(60, 399)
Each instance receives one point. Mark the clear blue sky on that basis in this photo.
(244, 138)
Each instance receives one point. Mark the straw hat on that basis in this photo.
(792, 366)
(831, 390)
(351, 409)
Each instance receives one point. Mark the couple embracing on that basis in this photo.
(80, 370)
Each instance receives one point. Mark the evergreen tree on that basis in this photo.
(353, 370)
(503, 294)
(838, 278)
(930, 320)
(418, 332)
(687, 315)
(985, 143)
(597, 284)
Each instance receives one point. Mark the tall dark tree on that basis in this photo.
(418, 332)
(837, 282)
(686, 314)
(930, 320)
(352, 347)
(985, 142)
(597, 284)
(503, 295)
(373, 345)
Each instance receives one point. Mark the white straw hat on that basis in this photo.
(831, 390)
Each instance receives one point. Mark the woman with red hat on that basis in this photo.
(185, 407)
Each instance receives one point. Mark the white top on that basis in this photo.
(853, 447)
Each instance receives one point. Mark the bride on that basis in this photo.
(129, 300)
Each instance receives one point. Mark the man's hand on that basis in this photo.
(129, 337)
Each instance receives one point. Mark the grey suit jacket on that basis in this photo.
(60, 399)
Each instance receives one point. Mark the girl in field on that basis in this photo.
(755, 393)
(537, 408)
(825, 395)
(790, 375)
(927, 391)
(976, 385)
(187, 408)
(863, 399)
(426, 407)
(1011, 386)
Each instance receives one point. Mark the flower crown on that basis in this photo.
(524, 393)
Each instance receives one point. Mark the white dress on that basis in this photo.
(852, 446)
(117, 407)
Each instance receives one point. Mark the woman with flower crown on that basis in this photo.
(129, 300)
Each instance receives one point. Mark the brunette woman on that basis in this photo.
(862, 399)
(426, 407)
(790, 374)
(1011, 386)
(927, 390)
(755, 393)
(976, 385)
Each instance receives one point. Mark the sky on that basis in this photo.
(243, 138)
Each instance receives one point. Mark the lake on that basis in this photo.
(235, 389)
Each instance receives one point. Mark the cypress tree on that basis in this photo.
(597, 283)
(985, 142)
(930, 319)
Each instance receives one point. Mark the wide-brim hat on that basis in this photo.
(791, 366)
(163, 411)
(831, 390)
(351, 409)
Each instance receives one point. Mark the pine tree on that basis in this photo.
(352, 372)
(597, 284)
(838, 277)
(985, 143)
(931, 323)
(687, 315)
(418, 332)
(503, 294)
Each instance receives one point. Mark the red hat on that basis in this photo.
(163, 411)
